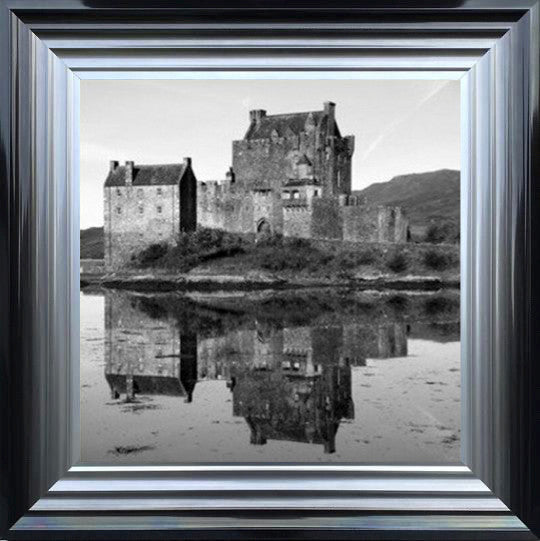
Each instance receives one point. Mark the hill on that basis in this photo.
(92, 243)
(431, 197)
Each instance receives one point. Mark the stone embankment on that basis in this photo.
(161, 281)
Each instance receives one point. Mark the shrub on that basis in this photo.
(192, 248)
(437, 260)
(289, 254)
(440, 305)
(346, 260)
(397, 262)
(443, 232)
(150, 255)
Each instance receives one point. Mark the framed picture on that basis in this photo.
(269, 271)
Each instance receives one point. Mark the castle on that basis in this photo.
(290, 175)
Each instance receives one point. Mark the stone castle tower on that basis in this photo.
(279, 148)
(144, 205)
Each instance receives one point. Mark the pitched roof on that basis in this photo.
(283, 124)
(148, 175)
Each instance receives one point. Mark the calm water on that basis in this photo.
(270, 376)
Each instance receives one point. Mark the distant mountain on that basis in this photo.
(425, 197)
(92, 243)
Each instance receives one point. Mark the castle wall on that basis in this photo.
(340, 217)
(267, 205)
(297, 220)
(402, 228)
(223, 207)
(136, 217)
(364, 223)
(327, 222)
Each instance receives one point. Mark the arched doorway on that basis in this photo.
(263, 229)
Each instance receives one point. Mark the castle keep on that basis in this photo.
(144, 205)
(290, 175)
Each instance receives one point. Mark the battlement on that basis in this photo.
(351, 200)
(215, 188)
(295, 206)
(262, 192)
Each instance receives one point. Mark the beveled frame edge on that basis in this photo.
(39, 216)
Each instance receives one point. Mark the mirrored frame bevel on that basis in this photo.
(493, 45)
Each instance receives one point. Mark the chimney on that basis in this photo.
(329, 107)
(256, 115)
(229, 175)
(129, 173)
(187, 162)
(330, 110)
(113, 164)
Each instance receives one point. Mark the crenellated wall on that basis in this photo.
(342, 217)
(223, 207)
(297, 219)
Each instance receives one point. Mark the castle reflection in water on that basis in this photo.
(289, 382)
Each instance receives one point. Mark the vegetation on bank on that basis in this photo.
(229, 252)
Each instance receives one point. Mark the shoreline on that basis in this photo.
(200, 282)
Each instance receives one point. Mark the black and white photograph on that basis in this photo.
(270, 271)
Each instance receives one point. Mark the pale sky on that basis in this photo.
(400, 126)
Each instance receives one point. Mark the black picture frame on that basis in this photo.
(46, 47)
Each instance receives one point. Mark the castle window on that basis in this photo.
(141, 210)
(118, 210)
(159, 209)
(118, 191)
(315, 193)
(285, 195)
(159, 192)
(296, 194)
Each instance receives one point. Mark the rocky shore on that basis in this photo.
(252, 281)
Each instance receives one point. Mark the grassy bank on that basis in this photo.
(212, 252)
